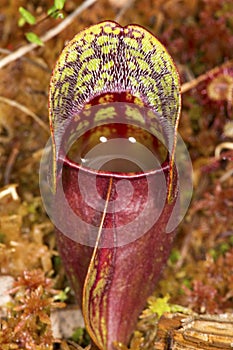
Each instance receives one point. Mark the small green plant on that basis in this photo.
(81, 337)
(62, 295)
(55, 10)
(26, 17)
(158, 306)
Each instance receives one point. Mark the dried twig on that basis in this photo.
(226, 176)
(221, 146)
(193, 83)
(9, 189)
(25, 110)
(31, 61)
(33, 158)
(124, 8)
(49, 35)
(10, 162)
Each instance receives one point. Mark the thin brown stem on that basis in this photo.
(10, 162)
(193, 83)
(9, 190)
(31, 61)
(123, 10)
(25, 110)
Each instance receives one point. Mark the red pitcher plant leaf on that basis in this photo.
(114, 110)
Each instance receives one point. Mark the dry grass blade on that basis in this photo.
(25, 110)
(193, 83)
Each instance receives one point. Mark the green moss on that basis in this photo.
(81, 336)
(174, 256)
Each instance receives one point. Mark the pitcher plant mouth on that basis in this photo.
(126, 175)
(120, 138)
(116, 149)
